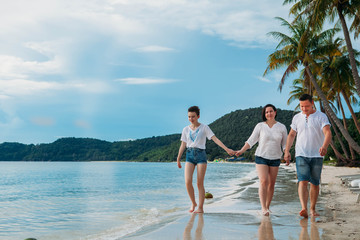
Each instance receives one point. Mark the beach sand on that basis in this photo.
(238, 217)
(342, 218)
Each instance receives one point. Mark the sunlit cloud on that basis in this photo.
(15, 67)
(23, 87)
(154, 48)
(144, 81)
(263, 79)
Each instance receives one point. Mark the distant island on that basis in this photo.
(233, 129)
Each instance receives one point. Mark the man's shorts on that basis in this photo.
(268, 162)
(196, 156)
(309, 169)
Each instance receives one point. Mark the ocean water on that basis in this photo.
(104, 200)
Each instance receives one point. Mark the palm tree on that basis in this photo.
(320, 10)
(301, 49)
(336, 73)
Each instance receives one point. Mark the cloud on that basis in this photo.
(82, 124)
(263, 79)
(23, 87)
(15, 67)
(144, 81)
(20, 87)
(154, 48)
(43, 121)
(240, 22)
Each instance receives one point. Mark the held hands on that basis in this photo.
(230, 151)
(238, 153)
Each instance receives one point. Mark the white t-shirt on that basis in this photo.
(310, 136)
(196, 138)
(272, 141)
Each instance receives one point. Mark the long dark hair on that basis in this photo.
(264, 109)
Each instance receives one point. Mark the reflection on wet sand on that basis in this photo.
(265, 229)
(314, 231)
(199, 228)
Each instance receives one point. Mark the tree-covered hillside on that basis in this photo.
(233, 129)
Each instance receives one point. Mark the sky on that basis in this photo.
(119, 70)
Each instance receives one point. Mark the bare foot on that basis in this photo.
(192, 208)
(266, 213)
(199, 210)
(314, 213)
(304, 213)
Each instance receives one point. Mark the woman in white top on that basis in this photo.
(193, 138)
(271, 136)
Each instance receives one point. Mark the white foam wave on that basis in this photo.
(140, 219)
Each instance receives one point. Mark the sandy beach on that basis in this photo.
(238, 216)
(342, 218)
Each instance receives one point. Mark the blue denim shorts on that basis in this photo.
(264, 161)
(196, 156)
(309, 169)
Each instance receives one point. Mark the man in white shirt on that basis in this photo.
(312, 129)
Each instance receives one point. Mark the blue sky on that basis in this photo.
(128, 69)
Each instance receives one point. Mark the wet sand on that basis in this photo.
(237, 216)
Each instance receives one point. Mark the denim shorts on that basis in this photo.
(196, 156)
(264, 161)
(309, 169)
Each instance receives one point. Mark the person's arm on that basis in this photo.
(284, 138)
(327, 132)
(181, 151)
(289, 143)
(220, 144)
(253, 139)
(243, 149)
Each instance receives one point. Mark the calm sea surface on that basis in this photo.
(100, 200)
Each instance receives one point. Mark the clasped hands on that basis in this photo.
(233, 152)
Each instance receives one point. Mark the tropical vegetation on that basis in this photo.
(326, 63)
(233, 129)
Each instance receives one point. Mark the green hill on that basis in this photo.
(233, 129)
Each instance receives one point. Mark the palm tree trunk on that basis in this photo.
(342, 112)
(328, 109)
(350, 49)
(353, 115)
(337, 153)
(345, 124)
(337, 135)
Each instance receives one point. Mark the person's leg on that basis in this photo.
(263, 172)
(303, 174)
(273, 172)
(303, 196)
(314, 193)
(189, 171)
(201, 170)
(316, 168)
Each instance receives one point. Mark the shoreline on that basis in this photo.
(337, 206)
